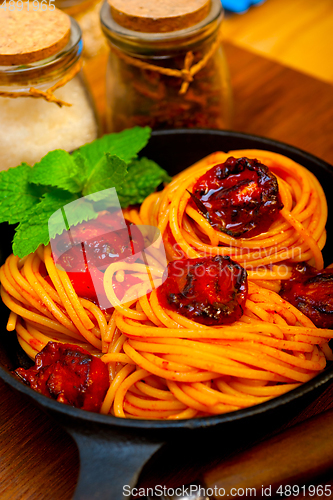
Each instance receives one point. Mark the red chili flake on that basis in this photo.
(150, 98)
(209, 290)
(69, 374)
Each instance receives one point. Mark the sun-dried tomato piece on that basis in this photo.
(90, 249)
(69, 374)
(97, 243)
(311, 291)
(209, 290)
(239, 196)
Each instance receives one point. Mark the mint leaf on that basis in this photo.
(143, 177)
(125, 145)
(17, 195)
(59, 169)
(33, 230)
(82, 166)
(70, 215)
(47, 197)
(110, 171)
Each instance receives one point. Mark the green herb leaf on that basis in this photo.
(59, 169)
(82, 166)
(143, 177)
(109, 172)
(79, 210)
(125, 145)
(17, 195)
(34, 229)
(63, 190)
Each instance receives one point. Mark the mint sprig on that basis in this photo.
(90, 165)
(31, 195)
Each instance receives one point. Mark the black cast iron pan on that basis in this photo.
(113, 450)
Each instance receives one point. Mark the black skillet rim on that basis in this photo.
(200, 422)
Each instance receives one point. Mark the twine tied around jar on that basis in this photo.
(186, 74)
(48, 94)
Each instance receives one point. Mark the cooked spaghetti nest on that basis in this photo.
(298, 235)
(162, 365)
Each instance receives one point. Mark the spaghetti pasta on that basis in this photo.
(163, 365)
(297, 235)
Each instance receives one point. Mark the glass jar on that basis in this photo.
(86, 13)
(30, 126)
(141, 89)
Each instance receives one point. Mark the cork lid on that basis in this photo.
(156, 16)
(28, 36)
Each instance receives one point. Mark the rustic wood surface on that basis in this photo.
(38, 460)
(295, 33)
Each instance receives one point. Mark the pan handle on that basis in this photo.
(295, 456)
(110, 463)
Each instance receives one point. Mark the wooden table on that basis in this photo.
(297, 34)
(38, 460)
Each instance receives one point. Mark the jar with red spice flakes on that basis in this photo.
(166, 66)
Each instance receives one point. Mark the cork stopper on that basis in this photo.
(155, 16)
(28, 36)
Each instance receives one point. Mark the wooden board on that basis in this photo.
(297, 33)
